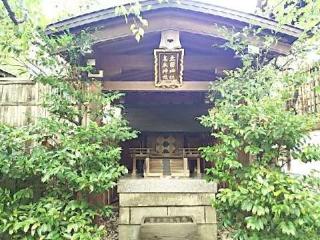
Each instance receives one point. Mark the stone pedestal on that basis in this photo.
(155, 197)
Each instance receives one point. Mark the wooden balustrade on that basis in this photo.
(154, 162)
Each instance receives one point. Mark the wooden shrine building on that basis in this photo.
(165, 78)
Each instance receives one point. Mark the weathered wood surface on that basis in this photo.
(20, 101)
(308, 100)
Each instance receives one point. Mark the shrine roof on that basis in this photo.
(228, 16)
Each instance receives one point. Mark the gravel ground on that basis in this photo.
(111, 225)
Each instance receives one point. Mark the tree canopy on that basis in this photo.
(49, 167)
(258, 132)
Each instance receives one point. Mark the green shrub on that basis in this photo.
(47, 218)
(268, 204)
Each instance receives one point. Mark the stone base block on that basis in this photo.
(207, 231)
(166, 198)
(167, 231)
(204, 232)
(129, 232)
(197, 212)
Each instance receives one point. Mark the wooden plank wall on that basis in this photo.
(20, 101)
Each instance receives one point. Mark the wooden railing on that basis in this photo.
(143, 152)
(140, 152)
(153, 161)
(190, 152)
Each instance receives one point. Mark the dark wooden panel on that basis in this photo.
(166, 118)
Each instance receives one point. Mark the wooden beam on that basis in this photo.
(13, 80)
(149, 86)
(16, 104)
(130, 44)
(116, 64)
(183, 24)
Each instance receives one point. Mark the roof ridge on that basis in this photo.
(191, 5)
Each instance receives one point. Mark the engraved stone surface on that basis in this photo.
(177, 227)
(165, 185)
(175, 219)
(137, 214)
(166, 199)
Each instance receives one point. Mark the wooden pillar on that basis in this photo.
(198, 167)
(134, 165)
(185, 167)
(109, 196)
(147, 167)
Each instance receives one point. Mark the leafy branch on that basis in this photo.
(12, 14)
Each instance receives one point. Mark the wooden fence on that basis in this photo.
(20, 101)
(308, 97)
(21, 104)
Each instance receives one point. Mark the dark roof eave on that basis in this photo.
(191, 5)
(7, 74)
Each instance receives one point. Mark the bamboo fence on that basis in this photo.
(21, 104)
(20, 101)
(308, 97)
